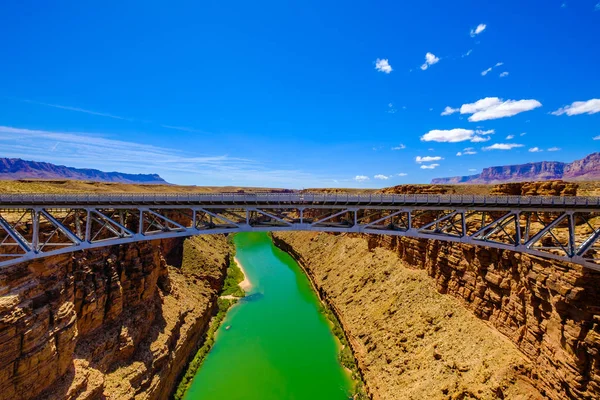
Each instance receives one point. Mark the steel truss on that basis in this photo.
(564, 233)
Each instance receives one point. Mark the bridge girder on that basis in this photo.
(31, 232)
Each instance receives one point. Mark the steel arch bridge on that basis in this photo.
(561, 228)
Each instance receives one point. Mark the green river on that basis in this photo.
(274, 344)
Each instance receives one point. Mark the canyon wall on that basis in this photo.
(587, 168)
(114, 323)
(16, 168)
(410, 344)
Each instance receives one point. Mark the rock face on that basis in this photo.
(410, 341)
(549, 188)
(587, 168)
(115, 323)
(15, 168)
(550, 310)
(412, 189)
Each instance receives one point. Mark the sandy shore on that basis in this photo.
(245, 284)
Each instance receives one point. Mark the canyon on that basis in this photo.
(117, 323)
(425, 319)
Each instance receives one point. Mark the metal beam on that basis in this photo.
(436, 223)
(70, 235)
(270, 216)
(347, 210)
(108, 222)
(402, 207)
(384, 218)
(546, 229)
(588, 243)
(15, 235)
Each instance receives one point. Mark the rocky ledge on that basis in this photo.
(114, 323)
(490, 324)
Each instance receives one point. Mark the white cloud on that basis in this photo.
(480, 28)
(535, 150)
(503, 146)
(391, 109)
(77, 109)
(183, 128)
(554, 149)
(430, 59)
(472, 170)
(382, 65)
(579, 107)
(509, 137)
(456, 135)
(399, 147)
(597, 7)
(420, 159)
(494, 108)
(468, 53)
(107, 115)
(469, 151)
(597, 137)
(448, 136)
(86, 150)
(523, 134)
(381, 177)
(361, 178)
(480, 139)
(402, 174)
(430, 166)
(479, 105)
(450, 110)
(498, 64)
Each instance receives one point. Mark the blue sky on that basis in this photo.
(299, 94)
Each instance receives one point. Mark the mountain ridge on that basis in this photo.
(17, 168)
(587, 168)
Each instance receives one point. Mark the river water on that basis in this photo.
(273, 345)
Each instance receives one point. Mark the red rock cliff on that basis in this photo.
(549, 309)
(116, 322)
(588, 168)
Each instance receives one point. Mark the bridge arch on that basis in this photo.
(561, 228)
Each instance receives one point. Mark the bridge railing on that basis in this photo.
(336, 198)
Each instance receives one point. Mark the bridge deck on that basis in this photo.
(38, 225)
(49, 200)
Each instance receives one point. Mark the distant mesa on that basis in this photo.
(16, 168)
(586, 169)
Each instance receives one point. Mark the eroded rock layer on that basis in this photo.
(117, 323)
(413, 343)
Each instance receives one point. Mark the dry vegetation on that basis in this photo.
(69, 186)
(591, 188)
